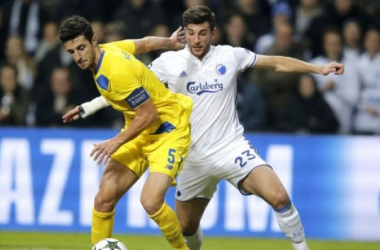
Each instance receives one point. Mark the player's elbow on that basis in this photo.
(147, 45)
(151, 118)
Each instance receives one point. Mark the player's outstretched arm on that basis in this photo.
(288, 64)
(86, 109)
(146, 115)
(149, 43)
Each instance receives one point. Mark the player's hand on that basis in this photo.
(333, 67)
(178, 39)
(104, 150)
(72, 115)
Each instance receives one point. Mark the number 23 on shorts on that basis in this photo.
(244, 158)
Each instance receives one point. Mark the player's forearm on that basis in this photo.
(288, 64)
(137, 126)
(93, 106)
(151, 43)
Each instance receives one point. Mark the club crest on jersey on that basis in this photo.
(221, 69)
(126, 56)
(201, 88)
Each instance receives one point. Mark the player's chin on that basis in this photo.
(198, 52)
(84, 67)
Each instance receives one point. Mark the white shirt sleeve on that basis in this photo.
(244, 58)
(158, 68)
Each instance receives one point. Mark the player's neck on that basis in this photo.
(98, 53)
(203, 56)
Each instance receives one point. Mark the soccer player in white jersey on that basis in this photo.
(219, 149)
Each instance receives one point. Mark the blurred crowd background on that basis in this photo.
(39, 82)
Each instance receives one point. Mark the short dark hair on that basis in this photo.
(197, 15)
(75, 26)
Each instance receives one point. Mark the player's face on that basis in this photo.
(199, 38)
(83, 52)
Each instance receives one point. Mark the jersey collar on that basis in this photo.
(99, 62)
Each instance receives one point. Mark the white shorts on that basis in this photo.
(234, 163)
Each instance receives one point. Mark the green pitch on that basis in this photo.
(69, 241)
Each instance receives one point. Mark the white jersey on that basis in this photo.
(211, 83)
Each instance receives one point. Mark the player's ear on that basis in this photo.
(94, 40)
(213, 31)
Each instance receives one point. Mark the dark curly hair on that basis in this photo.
(75, 26)
(197, 15)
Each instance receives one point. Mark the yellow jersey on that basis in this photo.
(126, 83)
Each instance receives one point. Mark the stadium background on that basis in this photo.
(47, 180)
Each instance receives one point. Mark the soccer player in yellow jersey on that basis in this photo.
(156, 133)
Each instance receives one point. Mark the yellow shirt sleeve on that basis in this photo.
(127, 87)
(126, 46)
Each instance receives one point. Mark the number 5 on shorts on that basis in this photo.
(171, 158)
